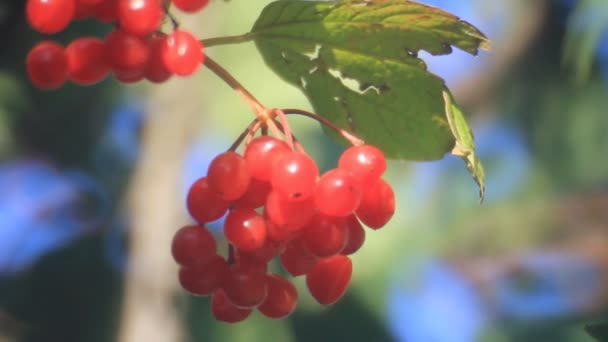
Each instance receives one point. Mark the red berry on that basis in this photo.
(245, 286)
(366, 163)
(182, 53)
(203, 204)
(228, 176)
(156, 71)
(224, 311)
(50, 16)
(106, 11)
(328, 279)
(294, 176)
(89, 2)
(245, 229)
(296, 259)
(325, 236)
(291, 215)
(337, 193)
(282, 297)
(128, 76)
(202, 279)
(140, 17)
(264, 254)
(126, 54)
(377, 205)
(193, 244)
(86, 62)
(277, 233)
(261, 154)
(190, 6)
(256, 194)
(47, 65)
(356, 235)
(83, 10)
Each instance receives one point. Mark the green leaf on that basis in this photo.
(357, 62)
(465, 144)
(599, 331)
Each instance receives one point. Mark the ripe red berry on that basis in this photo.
(261, 154)
(292, 215)
(126, 54)
(204, 278)
(224, 311)
(328, 279)
(50, 16)
(282, 297)
(256, 194)
(156, 71)
(337, 193)
(83, 10)
(193, 244)
(47, 65)
(245, 286)
(228, 176)
(203, 204)
(377, 205)
(190, 6)
(264, 254)
(325, 236)
(356, 235)
(294, 176)
(182, 53)
(86, 62)
(366, 163)
(296, 259)
(245, 229)
(140, 17)
(106, 11)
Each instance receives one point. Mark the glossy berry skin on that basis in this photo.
(47, 65)
(245, 229)
(290, 215)
(294, 176)
(86, 62)
(296, 259)
(261, 154)
(204, 278)
(282, 298)
(228, 176)
(356, 235)
(190, 6)
(126, 54)
(337, 193)
(182, 53)
(140, 17)
(245, 286)
(192, 245)
(156, 71)
(325, 236)
(264, 254)
(226, 312)
(50, 16)
(328, 279)
(203, 204)
(377, 205)
(366, 163)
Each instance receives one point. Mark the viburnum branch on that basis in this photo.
(284, 126)
(226, 40)
(345, 134)
(258, 109)
(296, 142)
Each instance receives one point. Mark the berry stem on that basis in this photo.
(243, 38)
(250, 130)
(345, 134)
(258, 109)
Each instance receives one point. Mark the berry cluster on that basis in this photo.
(133, 51)
(275, 203)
